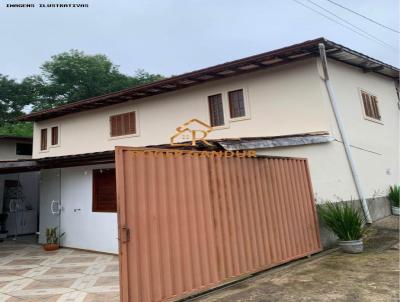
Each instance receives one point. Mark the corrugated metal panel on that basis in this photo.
(196, 222)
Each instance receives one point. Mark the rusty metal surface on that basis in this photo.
(195, 222)
(271, 142)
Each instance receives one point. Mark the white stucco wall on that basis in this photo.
(282, 100)
(83, 228)
(375, 146)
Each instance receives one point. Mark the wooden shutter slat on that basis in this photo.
(43, 139)
(375, 106)
(236, 103)
(104, 190)
(132, 122)
(123, 124)
(54, 136)
(216, 110)
(370, 103)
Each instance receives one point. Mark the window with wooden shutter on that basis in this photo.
(216, 110)
(370, 103)
(104, 190)
(123, 124)
(236, 103)
(54, 136)
(43, 139)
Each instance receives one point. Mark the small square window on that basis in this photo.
(370, 104)
(23, 149)
(123, 124)
(236, 103)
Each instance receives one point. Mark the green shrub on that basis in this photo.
(342, 219)
(394, 195)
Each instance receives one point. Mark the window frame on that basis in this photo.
(245, 103)
(41, 139)
(234, 104)
(51, 136)
(223, 110)
(363, 109)
(137, 129)
(225, 104)
(26, 144)
(95, 201)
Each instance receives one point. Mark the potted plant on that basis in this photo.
(394, 197)
(52, 239)
(3, 228)
(346, 222)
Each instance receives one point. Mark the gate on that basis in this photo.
(191, 221)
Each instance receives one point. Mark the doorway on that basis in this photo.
(50, 202)
(19, 206)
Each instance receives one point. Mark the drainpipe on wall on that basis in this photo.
(342, 131)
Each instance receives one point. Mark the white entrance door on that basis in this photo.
(50, 202)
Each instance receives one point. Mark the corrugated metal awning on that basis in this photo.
(230, 144)
(20, 166)
(277, 141)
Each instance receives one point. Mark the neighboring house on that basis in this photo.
(19, 189)
(15, 147)
(276, 103)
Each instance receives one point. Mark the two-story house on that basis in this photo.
(343, 117)
(15, 147)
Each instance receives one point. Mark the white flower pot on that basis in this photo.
(395, 211)
(352, 246)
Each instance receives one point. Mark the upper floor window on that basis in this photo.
(216, 110)
(236, 103)
(43, 139)
(370, 104)
(23, 149)
(123, 124)
(54, 135)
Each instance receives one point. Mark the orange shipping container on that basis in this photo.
(188, 223)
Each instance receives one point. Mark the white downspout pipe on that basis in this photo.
(342, 131)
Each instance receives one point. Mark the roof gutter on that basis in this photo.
(343, 134)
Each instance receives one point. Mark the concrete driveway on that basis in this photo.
(371, 276)
(27, 273)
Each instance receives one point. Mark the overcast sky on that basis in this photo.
(176, 36)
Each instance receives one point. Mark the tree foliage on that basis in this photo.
(13, 98)
(68, 77)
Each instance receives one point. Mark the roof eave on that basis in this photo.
(229, 69)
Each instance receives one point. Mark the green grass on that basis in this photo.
(394, 195)
(342, 219)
